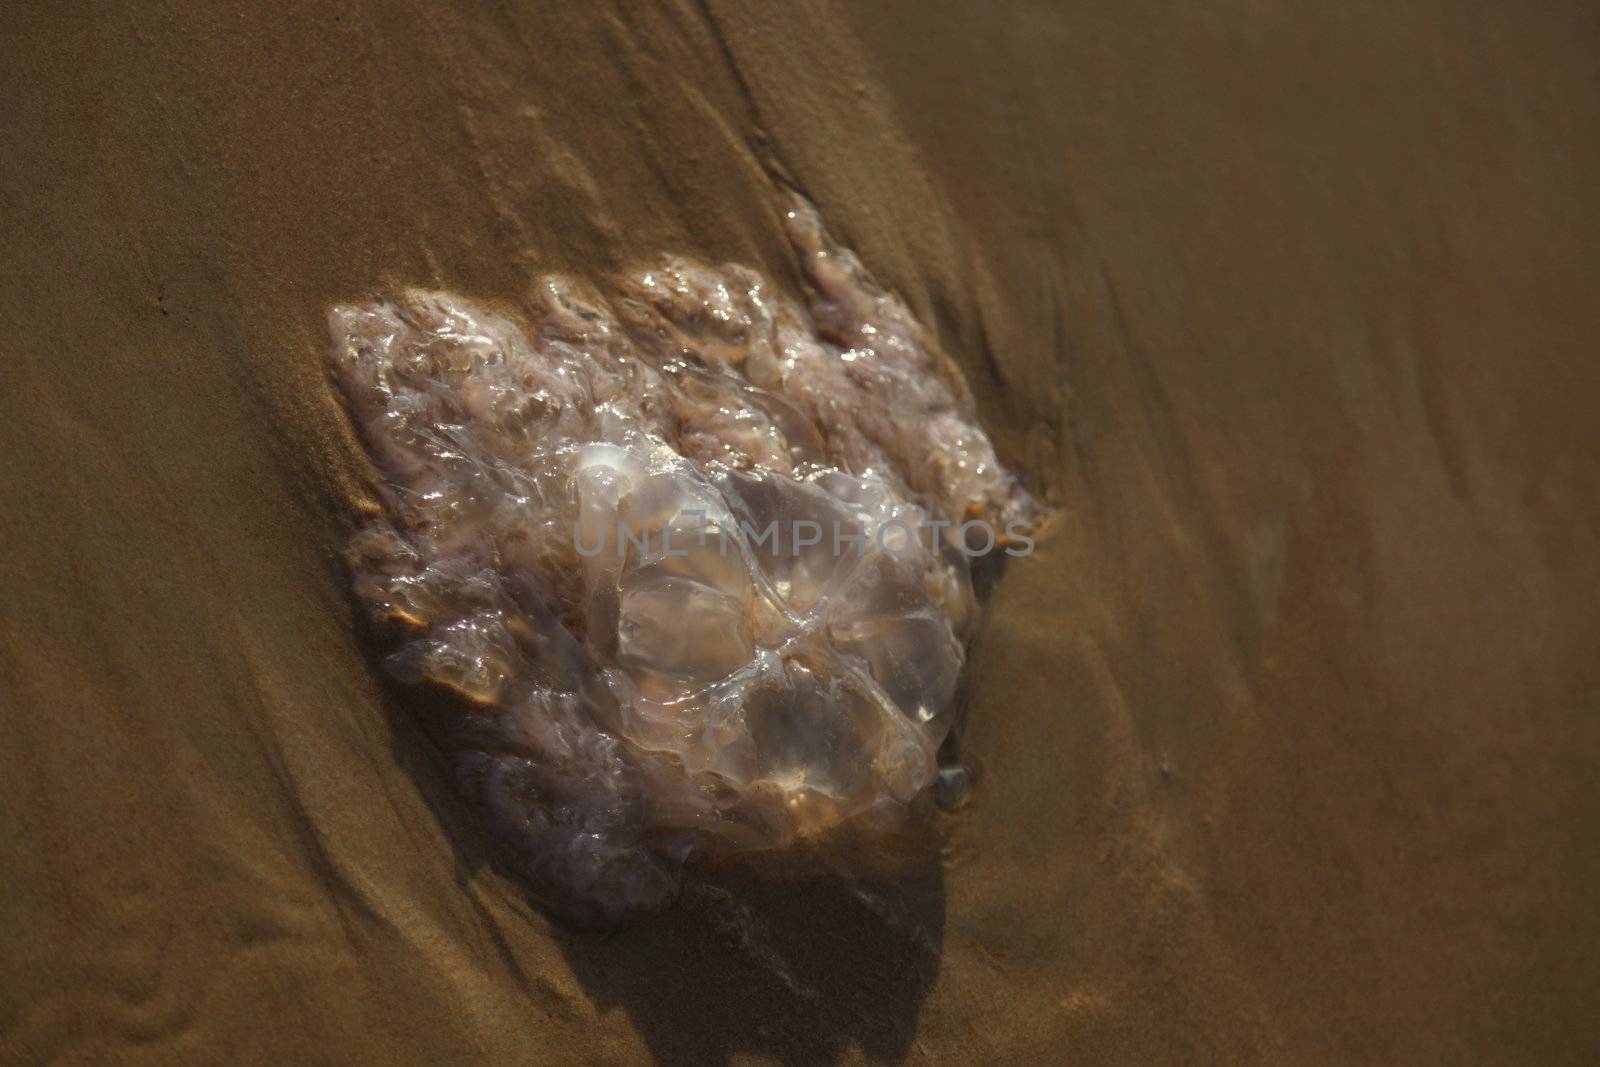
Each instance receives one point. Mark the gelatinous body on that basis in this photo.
(680, 548)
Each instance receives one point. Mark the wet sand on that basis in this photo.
(1288, 733)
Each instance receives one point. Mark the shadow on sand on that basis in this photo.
(790, 965)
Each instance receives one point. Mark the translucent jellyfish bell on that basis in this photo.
(679, 550)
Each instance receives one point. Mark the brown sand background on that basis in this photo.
(1289, 733)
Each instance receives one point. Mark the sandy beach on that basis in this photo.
(1286, 736)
